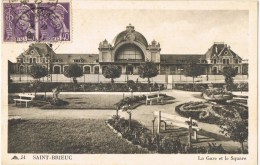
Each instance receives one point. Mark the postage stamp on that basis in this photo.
(19, 22)
(54, 22)
(43, 21)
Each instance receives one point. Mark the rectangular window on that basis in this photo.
(224, 61)
(227, 61)
(236, 61)
(43, 60)
(214, 61)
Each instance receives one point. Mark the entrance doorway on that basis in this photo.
(129, 69)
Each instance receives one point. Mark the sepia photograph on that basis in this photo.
(150, 81)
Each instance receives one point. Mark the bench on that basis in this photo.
(150, 98)
(24, 98)
(179, 121)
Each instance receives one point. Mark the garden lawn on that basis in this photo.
(93, 101)
(65, 136)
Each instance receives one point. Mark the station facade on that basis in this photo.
(128, 50)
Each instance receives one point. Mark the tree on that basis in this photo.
(235, 129)
(73, 71)
(148, 70)
(229, 73)
(192, 69)
(38, 71)
(112, 71)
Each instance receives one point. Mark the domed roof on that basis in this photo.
(130, 34)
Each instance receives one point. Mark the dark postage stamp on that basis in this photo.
(54, 22)
(19, 22)
(36, 21)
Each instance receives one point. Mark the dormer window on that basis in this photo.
(19, 60)
(57, 60)
(77, 60)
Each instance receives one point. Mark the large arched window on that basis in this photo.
(214, 70)
(237, 69)
(129, 52)
(56, 69)
(65, 68)
(103, 68)
(86, 69)
(96, 70)
(21, 70)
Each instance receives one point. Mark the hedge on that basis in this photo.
(84, 87)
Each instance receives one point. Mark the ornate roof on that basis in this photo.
(130, 34)
(219, 49)
(41, 49)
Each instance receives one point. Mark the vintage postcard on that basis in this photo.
(129, 82)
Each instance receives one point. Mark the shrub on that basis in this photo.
(169, 145)
(130, 101)
(217, 91)
(223, 112)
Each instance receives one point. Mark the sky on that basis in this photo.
(177, 31)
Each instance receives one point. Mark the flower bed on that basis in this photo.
(210, 113)
(217, 94)
(200, 111)
(140, 136)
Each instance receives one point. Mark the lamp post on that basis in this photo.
(127, 110)
(180, 72)
(49, 66)
(48, 62)
(20, 79)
